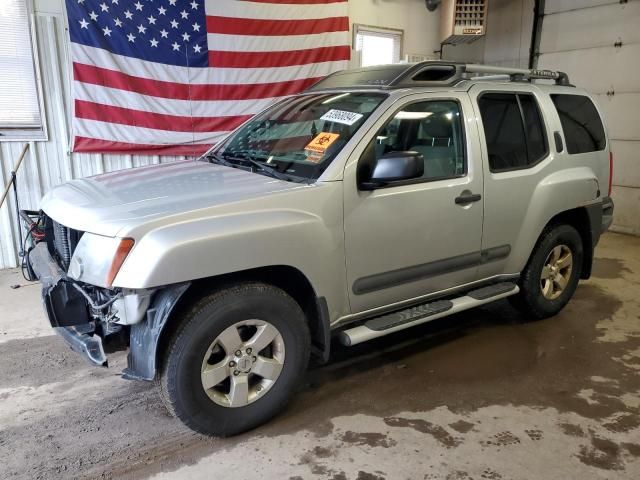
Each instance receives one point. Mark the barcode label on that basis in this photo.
(341, 116)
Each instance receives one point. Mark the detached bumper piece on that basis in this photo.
(66, 307)
(84, 343)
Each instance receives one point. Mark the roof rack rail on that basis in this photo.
(437, 73)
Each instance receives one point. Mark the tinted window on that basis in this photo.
(581, 123)
(513, 130)
(432, 128)
(534, 130)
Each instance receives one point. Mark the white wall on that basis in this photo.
(420, 26)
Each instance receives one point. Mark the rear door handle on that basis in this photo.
(467, 197)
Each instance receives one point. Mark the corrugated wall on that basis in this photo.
(50, 163)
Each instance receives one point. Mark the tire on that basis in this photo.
(531, 300)
(205, 330)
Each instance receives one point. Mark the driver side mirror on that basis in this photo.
(394, 167)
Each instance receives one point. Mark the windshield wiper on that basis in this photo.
(246, 157)
(213, 158)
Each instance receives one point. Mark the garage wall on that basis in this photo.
(598, 43)
(507, 40)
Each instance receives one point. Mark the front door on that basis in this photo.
(421, 236)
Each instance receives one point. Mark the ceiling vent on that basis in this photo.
(462, 21)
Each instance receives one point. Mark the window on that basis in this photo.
(513, 129)
(583, 129)
(20, 106)
(432, 128)
(377, 46)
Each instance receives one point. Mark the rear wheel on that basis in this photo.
(236, 360)
(552, 274)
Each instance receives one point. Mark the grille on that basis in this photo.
(64, 242)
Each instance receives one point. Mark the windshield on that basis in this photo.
(297, 139)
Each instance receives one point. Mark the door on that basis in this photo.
(415, 237)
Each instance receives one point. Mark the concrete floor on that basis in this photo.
(478, 395)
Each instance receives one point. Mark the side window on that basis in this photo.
(583, 129)
(432, 128)
(513, 129)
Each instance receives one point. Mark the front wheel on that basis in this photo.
(236, 359)
(552, 274)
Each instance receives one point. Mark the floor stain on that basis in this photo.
(609, 268)
(436, 431)
(571, 429)
(369, 439)
(602, 453)
(462, 426)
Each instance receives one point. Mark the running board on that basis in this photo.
(396, 321)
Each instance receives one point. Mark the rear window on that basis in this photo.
(513, 129)
(583, 129)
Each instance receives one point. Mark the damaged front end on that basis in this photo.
(82, 314)
(76, 270)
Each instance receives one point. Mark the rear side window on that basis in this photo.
(513, 129)
(583, 129)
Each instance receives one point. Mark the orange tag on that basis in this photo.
(322, 141)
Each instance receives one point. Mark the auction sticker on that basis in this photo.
(341, 116)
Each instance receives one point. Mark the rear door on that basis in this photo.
(515, 128)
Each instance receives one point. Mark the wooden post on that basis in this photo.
(15, 170)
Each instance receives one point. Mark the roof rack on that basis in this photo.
(432, 74)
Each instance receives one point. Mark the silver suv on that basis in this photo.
(377, 200)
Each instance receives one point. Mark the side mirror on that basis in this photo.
(394, 167)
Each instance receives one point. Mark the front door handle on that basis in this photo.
(467, 197)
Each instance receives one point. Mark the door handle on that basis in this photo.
(467, 197)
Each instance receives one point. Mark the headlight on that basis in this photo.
(97, 259)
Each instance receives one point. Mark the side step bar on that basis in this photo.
(396, 321)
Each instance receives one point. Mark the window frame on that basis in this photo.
(37, 134)
(545, 135)
(361, 27)
(564, 134)
(415, 181)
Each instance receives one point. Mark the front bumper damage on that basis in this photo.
(88, 332)
(66, 307)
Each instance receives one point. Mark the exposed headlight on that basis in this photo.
(97, 259)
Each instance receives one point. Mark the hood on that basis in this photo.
(105, 204)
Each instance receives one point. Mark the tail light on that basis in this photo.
(610, 172)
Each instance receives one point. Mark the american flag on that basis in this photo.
(172, 77)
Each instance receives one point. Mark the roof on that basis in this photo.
(431, 74)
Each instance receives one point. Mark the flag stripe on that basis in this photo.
(122, 98)
(200, 76)
(158, 121)
(138, 134)
(181, 91)
(85, 144)
(254, 43)
(249, 26)
(278, 59)
(277, 10)
(296, 2)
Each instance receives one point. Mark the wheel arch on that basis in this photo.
(580, 218)
(288, 278)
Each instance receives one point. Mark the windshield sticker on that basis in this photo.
(341, 116)
(321, 142)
